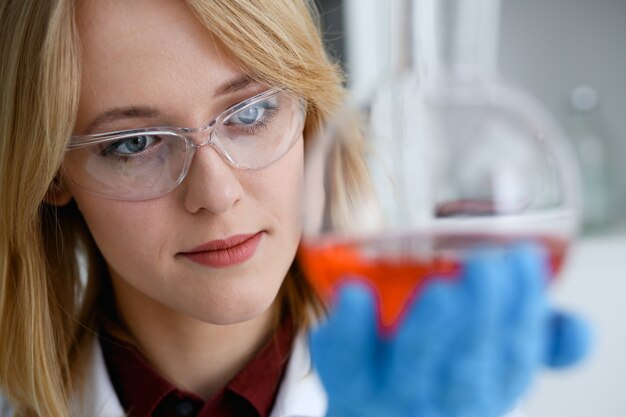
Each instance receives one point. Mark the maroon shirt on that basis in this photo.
(251, 393)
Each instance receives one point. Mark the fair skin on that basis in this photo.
(198, 325)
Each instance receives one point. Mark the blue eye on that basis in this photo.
(130, 146)
(254, 114)
(249, 115)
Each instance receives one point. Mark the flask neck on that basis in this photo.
(402, 36)
(456, 40)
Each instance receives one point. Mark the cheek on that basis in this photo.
(276, 192)
(282, 189)
(126, 233)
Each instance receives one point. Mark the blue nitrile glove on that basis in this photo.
(465, 349)
(569, 340)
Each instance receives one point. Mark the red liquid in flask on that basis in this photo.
(398, 267)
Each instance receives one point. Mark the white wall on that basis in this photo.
(550, 46)
(593, 284)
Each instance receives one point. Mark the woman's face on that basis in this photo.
(156, 55)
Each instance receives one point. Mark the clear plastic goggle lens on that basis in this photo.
(147, 163)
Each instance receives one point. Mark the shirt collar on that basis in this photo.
(142, 390)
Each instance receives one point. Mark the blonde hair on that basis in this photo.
(47, 313)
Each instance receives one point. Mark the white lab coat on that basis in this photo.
(300, 394)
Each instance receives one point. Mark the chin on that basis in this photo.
(238, 310)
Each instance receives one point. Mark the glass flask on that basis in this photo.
(455, 160)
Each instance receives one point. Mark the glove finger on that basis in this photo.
(343, 347)
(418, 346)
(487, 291)
(568, 340)
(529, 265)
(524, 342)
(473, 369)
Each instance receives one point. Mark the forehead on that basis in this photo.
(141, 51)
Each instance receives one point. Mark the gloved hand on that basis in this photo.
(464, 349)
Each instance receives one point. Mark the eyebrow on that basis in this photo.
(234, 85)
(119, 113)
(137, 112)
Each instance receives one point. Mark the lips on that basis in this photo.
(227, 252)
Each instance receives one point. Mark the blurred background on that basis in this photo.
(571, 55)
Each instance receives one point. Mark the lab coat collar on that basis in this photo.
(300, 394)
(96, 397)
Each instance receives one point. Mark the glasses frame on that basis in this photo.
(194, 138)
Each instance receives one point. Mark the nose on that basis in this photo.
(211, 183)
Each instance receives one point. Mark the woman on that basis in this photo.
(149, 270)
